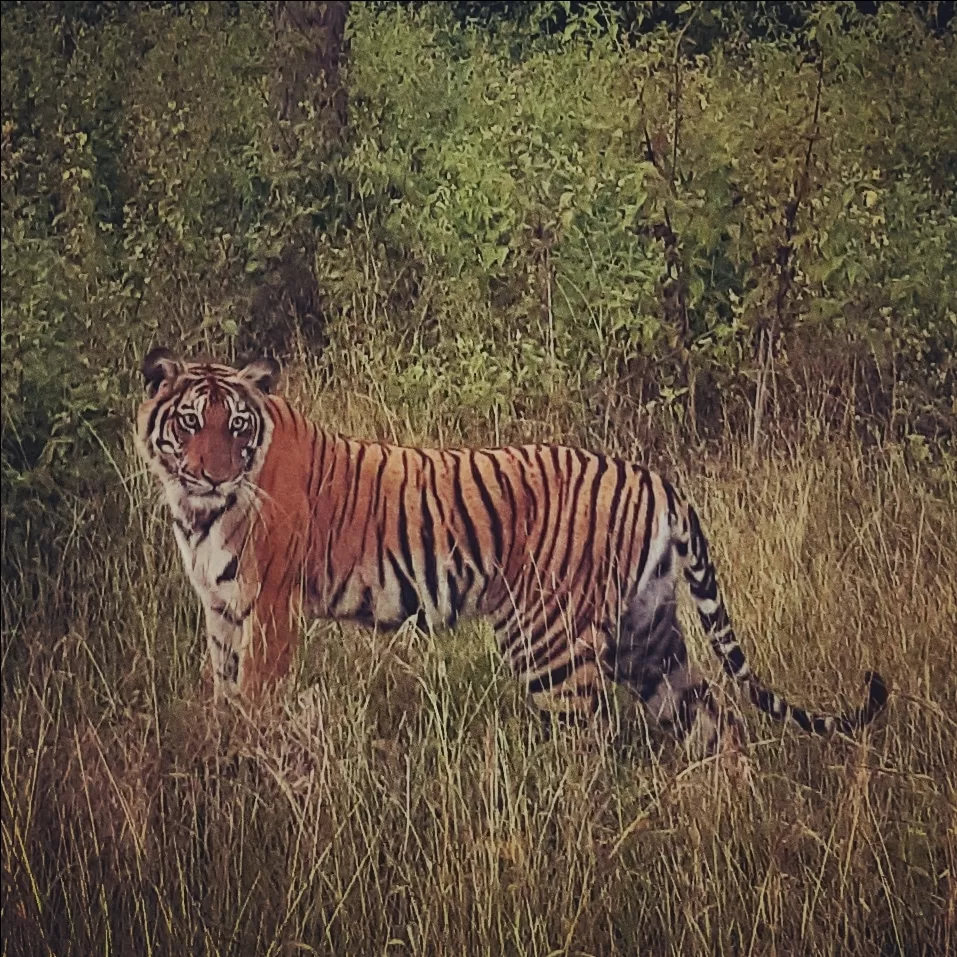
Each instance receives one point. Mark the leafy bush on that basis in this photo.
(540, 211)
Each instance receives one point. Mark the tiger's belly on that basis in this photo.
(387, 596)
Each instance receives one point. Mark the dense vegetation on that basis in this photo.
(718, 237)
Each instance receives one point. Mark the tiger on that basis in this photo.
(573, 557)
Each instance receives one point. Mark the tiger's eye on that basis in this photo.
(189, 421)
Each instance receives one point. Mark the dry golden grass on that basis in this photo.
(414, 807)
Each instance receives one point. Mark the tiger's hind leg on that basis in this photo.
(649, 657)
(573, 702)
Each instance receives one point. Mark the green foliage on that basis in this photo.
(129, 166)
(538, 211)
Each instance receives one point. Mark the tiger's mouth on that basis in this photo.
(208, 491)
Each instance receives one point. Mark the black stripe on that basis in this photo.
(354, 489)
(205, 526)
(259, 422)
(505, 487)
(402, 520)
(365, 613)
(333, 602)
(229, 572)
(541, 473)
(546, 618)
(456, 553)
(716, 622)
(649, 519)
(151, 423)
(617, 516)
(802, 718)
(554, 647)
(646, 499)
(454, 599)
(429, 557)
(552, 679)
(329, 571)
(820, 723)
(699, 544)
(764, 701)
(167, 413)
(530, 471)
(433, 479)
(588, 546)
(635, 500)
(372, 510)
(281, 410)
(732, 660)
(529, 499)
(463, 514)
(408, 596)
(230, 616)
(571, 526)
(663, 568)
(683, 544)
(380, 554)
(319, 468)
(670, 497)
(340, 500)
(557, 521)
(494, 519)
(595, 493)
(707, 588)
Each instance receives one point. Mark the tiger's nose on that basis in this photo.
(214, 482)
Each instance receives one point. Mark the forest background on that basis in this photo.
(720, 238)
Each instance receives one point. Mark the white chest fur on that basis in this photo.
(211, 541)
(210, 563)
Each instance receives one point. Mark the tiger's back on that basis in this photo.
(572, 556)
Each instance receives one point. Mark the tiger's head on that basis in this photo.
(203, 428)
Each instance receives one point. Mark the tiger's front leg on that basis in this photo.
(269, 641)
(249, 651)
(224, 642)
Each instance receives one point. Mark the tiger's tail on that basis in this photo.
(692, 546)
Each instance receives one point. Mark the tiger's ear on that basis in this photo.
(159, 366)
(262, 373)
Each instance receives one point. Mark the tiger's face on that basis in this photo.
(202, 428)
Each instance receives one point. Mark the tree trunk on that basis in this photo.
(307, 87)
(312, 48)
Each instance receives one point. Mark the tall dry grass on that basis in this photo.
(415, 807)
